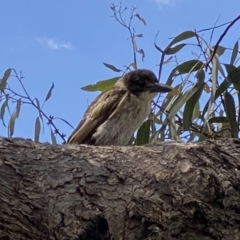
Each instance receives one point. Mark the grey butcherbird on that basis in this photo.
(113, 117)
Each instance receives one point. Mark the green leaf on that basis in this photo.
(37, 130)
(143, 133)
(18, 107)
(218, 120)
(2, 111)
(189, 66)
(210, 102)
(168, 101)
(233, 75)
(39, 109)
(49, 93)
(234, 53)
(200, 75)
(3, 81)
(196, 111)
(53, 138)
(111, 67)
(175, 49)
(220, 90)
(182, 99)
(190, 105)
(230, 110)
(101, 85)
(185, 67)
(11, 124)
(182, 36)
(220, 50)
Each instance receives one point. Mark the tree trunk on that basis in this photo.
(166, 191)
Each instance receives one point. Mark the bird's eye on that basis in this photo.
(141, 83)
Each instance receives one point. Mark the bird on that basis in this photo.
(115, 114)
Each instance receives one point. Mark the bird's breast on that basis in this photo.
(118, 129)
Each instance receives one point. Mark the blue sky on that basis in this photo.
(66, 42)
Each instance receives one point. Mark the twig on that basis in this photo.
(220, 39)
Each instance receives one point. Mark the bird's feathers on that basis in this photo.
(111, 101)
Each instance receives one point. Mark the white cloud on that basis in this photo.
(55, 44)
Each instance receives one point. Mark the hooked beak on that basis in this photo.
(161, 88)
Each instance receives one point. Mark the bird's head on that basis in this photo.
(144, 84)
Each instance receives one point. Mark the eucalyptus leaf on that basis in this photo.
(140, 18)
(234, 53)
(219, 119)
(3, 81)
(18, 107)
(49, 93)
(110, 66)
(53, 138)
(175, 49)
(143, 133)
(190, 105)
(101, 85)
(230, 110)
(182, 36)
(11, 124)
(37, 129)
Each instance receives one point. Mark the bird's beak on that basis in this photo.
(161, 88)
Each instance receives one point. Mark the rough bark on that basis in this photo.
(167, 191)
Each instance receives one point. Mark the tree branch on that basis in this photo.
(168, 191)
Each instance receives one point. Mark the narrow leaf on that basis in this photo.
(18, 107)
(111, 67)
(140, 18)
(175, 49)
(200, 75)
(215, 64)
(220, 50)
(234, 53)
(3, 107)
(191, 65)
(101, 85)
(196, 111)
(218, 119)
(11, 124)
(2, 111)
(39, 109)
(37, 130)
(139, 35)
(233, 75)
(49, 93)
(53, 138)
(141, 51)
(182, 99)
(190, 105)
(3, 81)
(230, 110)
(182, 36)
(143, 133)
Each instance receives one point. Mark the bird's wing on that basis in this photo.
(104, 106)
